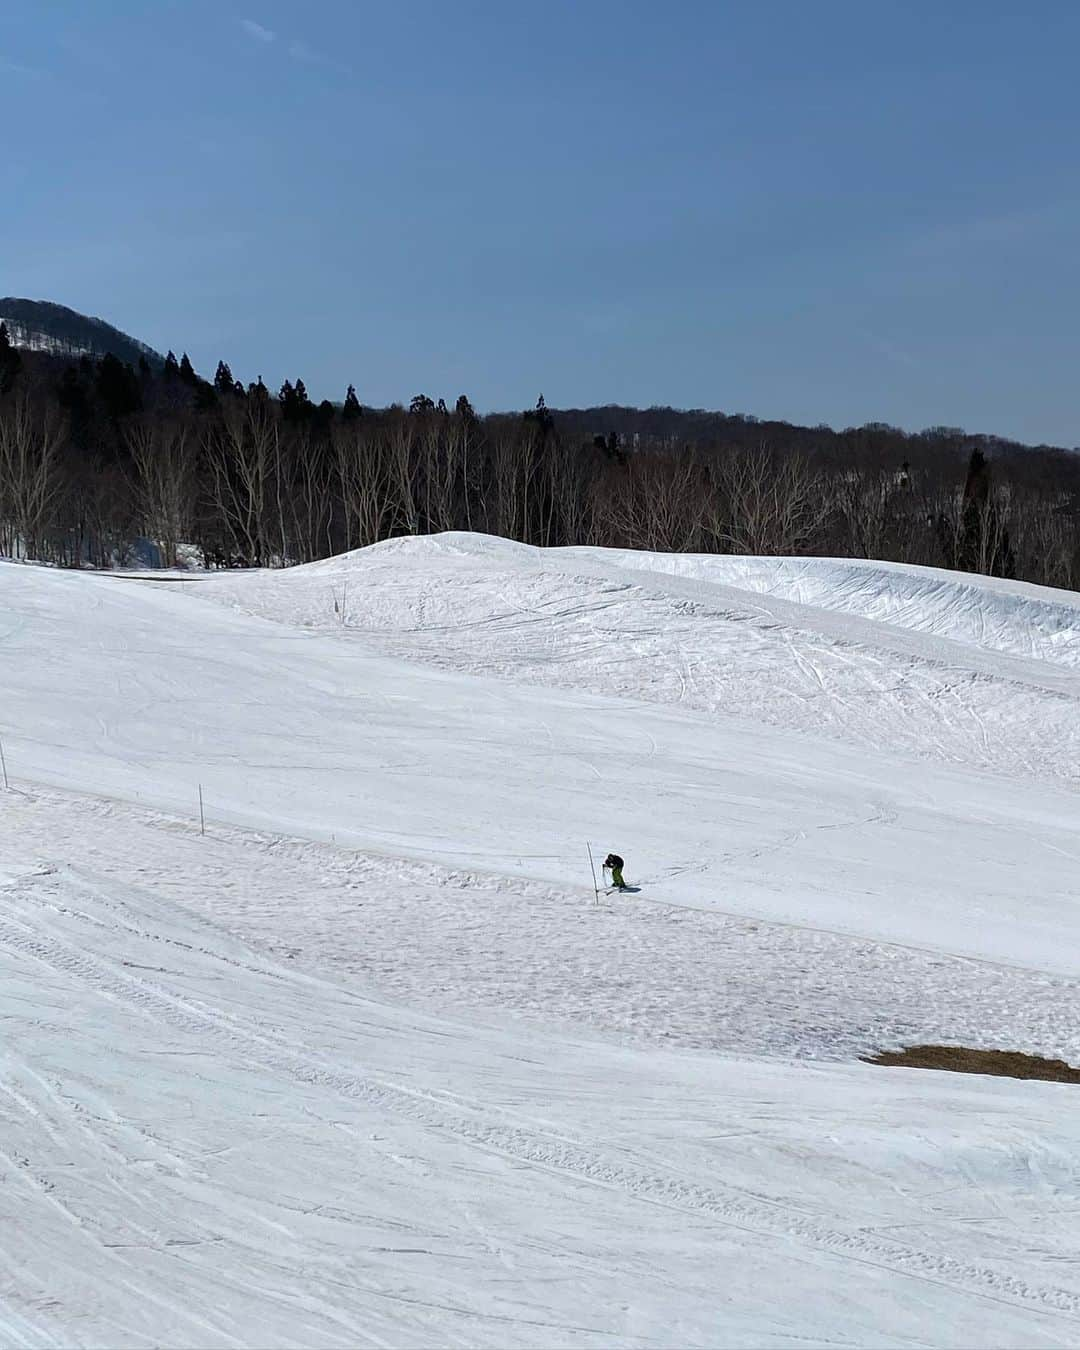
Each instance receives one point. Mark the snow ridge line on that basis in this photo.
(762, 1217)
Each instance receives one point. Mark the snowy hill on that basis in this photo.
(367, 1062)
(871, 654)
(43, 326)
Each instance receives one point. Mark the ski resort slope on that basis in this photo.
(203, 1146)
(366, 1063)
(932, 665)
(145, 694)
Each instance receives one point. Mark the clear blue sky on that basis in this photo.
(833, 212)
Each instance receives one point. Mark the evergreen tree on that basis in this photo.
(540, 415)
(172, 368)
(74, 398)
(10, 360)
(984, 538)
(609, 447)
(205, 395)
(351, 409)
(223, 379)
(117, 387)
(295, 404)
(187, 371)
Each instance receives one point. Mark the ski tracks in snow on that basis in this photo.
(256, 1040)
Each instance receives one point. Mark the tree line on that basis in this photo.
(99, 457)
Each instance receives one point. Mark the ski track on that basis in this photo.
(268, 1047)
(449, 939)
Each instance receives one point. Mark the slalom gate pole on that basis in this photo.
(592, 869)
(202, 818)
(3, 765)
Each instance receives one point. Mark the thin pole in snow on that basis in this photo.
(592, 869)
(344, 600)
(3, 765)
(202, 818)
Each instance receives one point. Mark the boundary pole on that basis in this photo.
(592, 869)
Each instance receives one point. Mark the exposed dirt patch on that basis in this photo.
(959, 1059)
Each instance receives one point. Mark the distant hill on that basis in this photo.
(41, 326)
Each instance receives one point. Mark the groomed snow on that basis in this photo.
(929, 663)
(366, 1064)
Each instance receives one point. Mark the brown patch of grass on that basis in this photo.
(959, 1059)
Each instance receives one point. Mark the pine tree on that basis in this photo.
(10, 360)
(541, 416)
(350, 409)
(118, 387)
(187, 371)
(223, 379)
(984, 538)
(172, 368)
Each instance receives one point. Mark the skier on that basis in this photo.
(614, 864)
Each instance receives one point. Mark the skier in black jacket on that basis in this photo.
(614, 864)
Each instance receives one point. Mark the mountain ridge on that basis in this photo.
(45, 326)
(57, 330)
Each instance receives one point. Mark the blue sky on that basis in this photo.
(825, 212)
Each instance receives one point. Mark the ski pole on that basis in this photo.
(592, 869)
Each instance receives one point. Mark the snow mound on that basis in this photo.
(1006, 616)
(933, 664)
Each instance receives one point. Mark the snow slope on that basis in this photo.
(365, 1063)
(1002, 615)
(144, 693)
(961, 671)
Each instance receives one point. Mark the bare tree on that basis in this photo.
(243, 452)
(768, 503)
(32, 435)
(397, 444)
(366, 482)
(164, 455)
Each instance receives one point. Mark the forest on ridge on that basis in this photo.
(101, 457)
